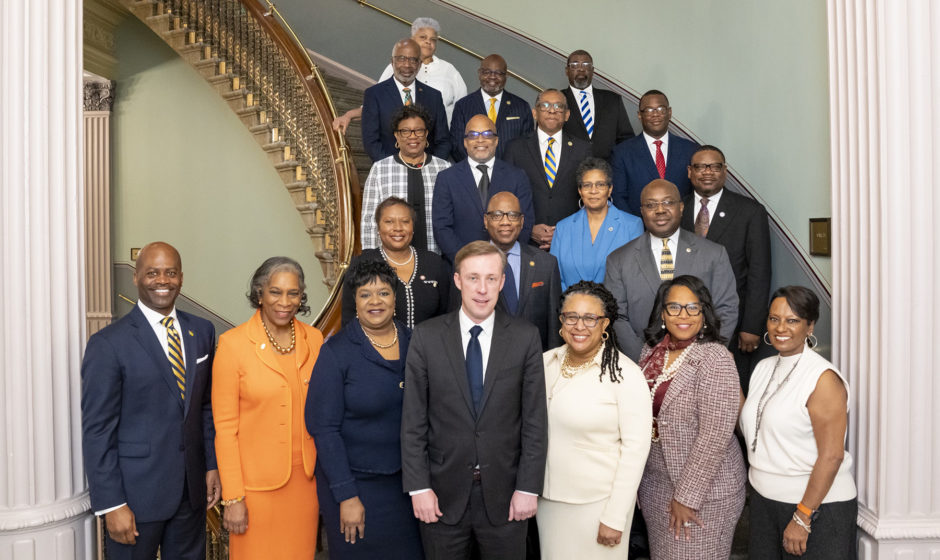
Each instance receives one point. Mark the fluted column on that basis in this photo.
(43, 501)
(98, 99)
(885, 117)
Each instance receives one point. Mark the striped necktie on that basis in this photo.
(551, 166)
(175, 354)
(491, 113)
(667, 267)
(660, 159)
(586, 114)
(407, 96)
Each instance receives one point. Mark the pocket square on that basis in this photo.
(537, 284)
(512, 118)
(202, 359)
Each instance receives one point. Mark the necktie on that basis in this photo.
(509, 291)
(175, 354)
(667, 268)
(474, 363)
(586, 115)
(701, 220)
(660, 159)
(407, 96)
(550, 165)
(484, 183)
(492, 111)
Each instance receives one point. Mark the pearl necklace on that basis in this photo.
(396, 263)
(409, 290)
(383, 347)
(417, 166)
(273, 341)
(568, 371)
(765, 398)
(666, 375)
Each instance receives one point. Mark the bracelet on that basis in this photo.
(804, 510)
(233, 501)
(801, 523)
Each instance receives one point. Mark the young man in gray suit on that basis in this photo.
(635, 271)
(474, 421)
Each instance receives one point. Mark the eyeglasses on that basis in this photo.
(492, 73)
(589, 319)
(599, 185)
(485, 134)
(650, 111)
(574, 65)
(416, 132)
(498, 215)
(674, 309)
(546, 107)
(406, 59)
(699, 167)
(654, 206)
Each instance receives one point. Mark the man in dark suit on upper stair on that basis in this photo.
(598, 115)
(740, 225)
(550, 157)
(510, 113)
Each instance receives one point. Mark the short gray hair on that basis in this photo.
(425, 22)
(269, 268)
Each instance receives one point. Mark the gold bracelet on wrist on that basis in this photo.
(232, 501)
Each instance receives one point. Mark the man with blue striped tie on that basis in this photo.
(598, 115)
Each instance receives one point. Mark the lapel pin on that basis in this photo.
(190, 333)
(508, 102)
(262, 346)
(688, 249)
(610, 228)
(531, 263)
(721, 214)
(422, 277)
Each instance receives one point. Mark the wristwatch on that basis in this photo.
(812, 514)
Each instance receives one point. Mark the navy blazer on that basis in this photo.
(539, 294)
(513, 120)
(457, 211)
(140, 441)
(353, 408)
(381, 101)
(634, 168)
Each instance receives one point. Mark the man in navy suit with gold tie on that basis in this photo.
(147, 432)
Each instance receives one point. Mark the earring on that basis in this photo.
(767, 342)
(812, 340)
(701, 335)
(663, 326)
(580, 203)
(397, 147)
(559, 331)
(605, 335)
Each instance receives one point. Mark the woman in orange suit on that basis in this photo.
(266, 458)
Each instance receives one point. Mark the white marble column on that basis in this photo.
(43, 501)
(884, 59)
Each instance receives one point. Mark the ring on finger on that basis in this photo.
(687, 524)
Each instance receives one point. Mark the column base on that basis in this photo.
(908, 538)
(68, 539)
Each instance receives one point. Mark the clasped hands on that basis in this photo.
(522, 506)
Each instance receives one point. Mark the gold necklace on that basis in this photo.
(568, 370)
(274, 343)
(376, 344)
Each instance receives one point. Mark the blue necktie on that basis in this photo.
(475, 367)
(586, 114)
(509, 291)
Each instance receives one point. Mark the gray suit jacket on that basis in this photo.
(442, 439)
(633, 277)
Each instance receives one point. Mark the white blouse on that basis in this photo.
(786, 448)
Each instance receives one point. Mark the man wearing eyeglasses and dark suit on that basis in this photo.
(655, 154)
(510, 113)
(550, 157)
(599, 116)
(636, 270)
(381, 101)
(462, 191)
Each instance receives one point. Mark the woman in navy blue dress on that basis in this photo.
(353, 412)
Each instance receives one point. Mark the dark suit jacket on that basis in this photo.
(140, 441)
(634, 168)
(457, 211)
(740, 225)
(633, 278)
(513, 120)
(441, 438)
(561, 200)
(611, 123)
(539, 294)
(353, 409)
(379, 104)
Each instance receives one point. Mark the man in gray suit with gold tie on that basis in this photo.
(635, 271)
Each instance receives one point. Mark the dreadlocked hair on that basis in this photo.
(610, 357)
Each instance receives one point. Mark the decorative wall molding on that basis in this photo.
(101, 17)
(907, 528)
(98, 95)
(16, 519)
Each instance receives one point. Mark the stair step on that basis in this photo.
(235, 94)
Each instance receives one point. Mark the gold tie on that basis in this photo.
(175, 354)
(549, 164)
(667, 268)
(492, 112)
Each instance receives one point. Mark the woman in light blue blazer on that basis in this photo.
(583, 240)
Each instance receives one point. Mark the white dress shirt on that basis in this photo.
(486, 100)
(442, 76)
(543, 145)
(656, 243)
(712, 204)
(652, 147)
(577, 99)
(485, 337)
(477, 174)
(401, 90)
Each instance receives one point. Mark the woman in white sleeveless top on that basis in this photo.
(794, 424)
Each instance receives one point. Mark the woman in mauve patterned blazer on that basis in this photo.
(692, 491)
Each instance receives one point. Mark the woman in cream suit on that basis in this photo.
(266, 458)
(599, 420)
(693, 488)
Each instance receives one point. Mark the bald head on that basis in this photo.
(661, 207)
(503, 199)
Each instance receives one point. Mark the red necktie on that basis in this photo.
(660, 159)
